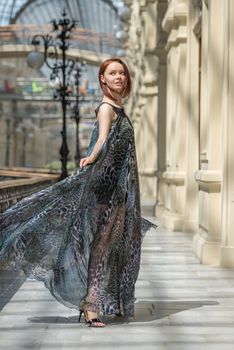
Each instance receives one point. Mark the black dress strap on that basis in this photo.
(114, 107)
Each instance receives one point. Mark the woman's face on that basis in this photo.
(114, 77)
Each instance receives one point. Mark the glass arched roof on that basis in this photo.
(8, 10)
(98, 17)
(97, 22)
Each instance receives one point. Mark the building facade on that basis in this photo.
(181, 54)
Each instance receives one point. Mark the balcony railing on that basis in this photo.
(21, 184)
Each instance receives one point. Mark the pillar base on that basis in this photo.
(227, 256)
(173, 222)
(207, 252)
(190, 226)
(159, 211)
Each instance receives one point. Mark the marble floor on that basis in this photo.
(181, 305)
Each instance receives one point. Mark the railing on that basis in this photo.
(25, 183)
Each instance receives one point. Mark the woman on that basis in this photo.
(82, 236)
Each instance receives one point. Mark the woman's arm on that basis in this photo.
(105, 116)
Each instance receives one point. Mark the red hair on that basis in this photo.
(102, 69)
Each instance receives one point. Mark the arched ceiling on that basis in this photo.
(97, 23)
(8, 9)
(97, 17)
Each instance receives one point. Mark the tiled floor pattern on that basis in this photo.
(181, 305)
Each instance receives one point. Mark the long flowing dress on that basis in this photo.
(82, 236)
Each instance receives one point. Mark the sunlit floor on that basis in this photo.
(180, 305)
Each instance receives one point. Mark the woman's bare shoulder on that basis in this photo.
(106, 111)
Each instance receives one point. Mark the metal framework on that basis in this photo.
(97, 18)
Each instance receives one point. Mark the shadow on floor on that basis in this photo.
(10, 282)
(145, 311)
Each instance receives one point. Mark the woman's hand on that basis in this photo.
(105, 117)
(86, 161)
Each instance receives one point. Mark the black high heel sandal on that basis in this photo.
(93, 322)
(81, 312)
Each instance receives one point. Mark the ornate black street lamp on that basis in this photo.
(55, 47)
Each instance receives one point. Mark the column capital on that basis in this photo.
(176, 15)
(148, 90)
(176, 37)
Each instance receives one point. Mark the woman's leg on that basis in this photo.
(109, 233)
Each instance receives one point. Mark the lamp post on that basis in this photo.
(79, 69)
(55, 47)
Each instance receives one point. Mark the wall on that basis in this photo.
(183, 115)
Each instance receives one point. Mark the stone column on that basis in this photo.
(175, 24)
(162, 95)
(148, 95)
(227, 227)
(207, 241)
(141, 55)
(190, 223)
